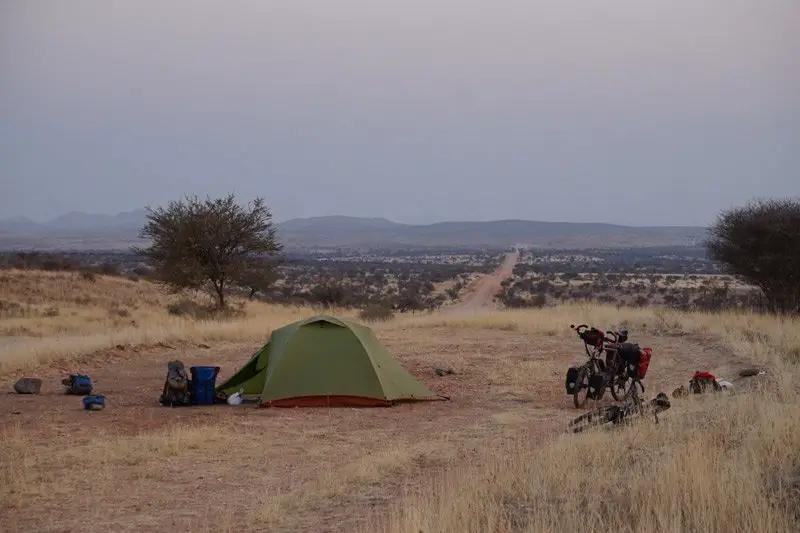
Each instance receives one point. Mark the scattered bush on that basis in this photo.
(119, 312)
(188, 308)
(376, 313)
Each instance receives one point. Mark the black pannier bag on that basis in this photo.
(597, 386)
(571, 383)
(629, 353)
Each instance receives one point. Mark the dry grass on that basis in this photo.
(78, 473)
(714, 468)
(57, 316)
(32, 469)
(715, 464)
(492, 460)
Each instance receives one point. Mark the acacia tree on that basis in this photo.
(760, 243)
(210, 244)
(260, 277)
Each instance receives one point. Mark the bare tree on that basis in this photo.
(760, 243)
(209, 244)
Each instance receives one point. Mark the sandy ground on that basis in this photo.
(138, 466)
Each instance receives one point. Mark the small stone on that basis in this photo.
(28, 386)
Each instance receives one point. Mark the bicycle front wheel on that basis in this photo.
(581, 393)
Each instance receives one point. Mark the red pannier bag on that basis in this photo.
(644, 362)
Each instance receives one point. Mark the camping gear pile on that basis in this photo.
(74, 384)
(179, 390)
(703, 382)
(81, 385)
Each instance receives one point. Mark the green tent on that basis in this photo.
(325, 361)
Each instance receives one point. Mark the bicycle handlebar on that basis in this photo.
(579, 329)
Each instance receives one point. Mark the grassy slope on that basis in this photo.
(65, 315)
(714, 468)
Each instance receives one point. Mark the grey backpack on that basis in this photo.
(176, 386)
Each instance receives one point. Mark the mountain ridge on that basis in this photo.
(78, 229)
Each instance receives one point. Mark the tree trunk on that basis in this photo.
(219, 288)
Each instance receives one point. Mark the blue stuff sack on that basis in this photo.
(78, 384)
(203, 384)
(94, 402)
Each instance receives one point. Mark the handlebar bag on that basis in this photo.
(592, 337)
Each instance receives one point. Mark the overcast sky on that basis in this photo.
(638, 112)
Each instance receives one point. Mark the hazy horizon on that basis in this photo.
(631, 112)
(279, 220)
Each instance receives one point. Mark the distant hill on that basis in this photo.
(381, 233)
(77, 230)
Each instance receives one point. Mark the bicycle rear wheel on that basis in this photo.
(633, 401)
(617, 386)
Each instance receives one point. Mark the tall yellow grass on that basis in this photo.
(715, 467)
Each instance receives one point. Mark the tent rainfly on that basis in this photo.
(325, 361)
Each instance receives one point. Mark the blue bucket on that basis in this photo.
(204, 384)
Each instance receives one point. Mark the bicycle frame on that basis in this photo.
(596, 363)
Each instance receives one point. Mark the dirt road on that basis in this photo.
(481, 298)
